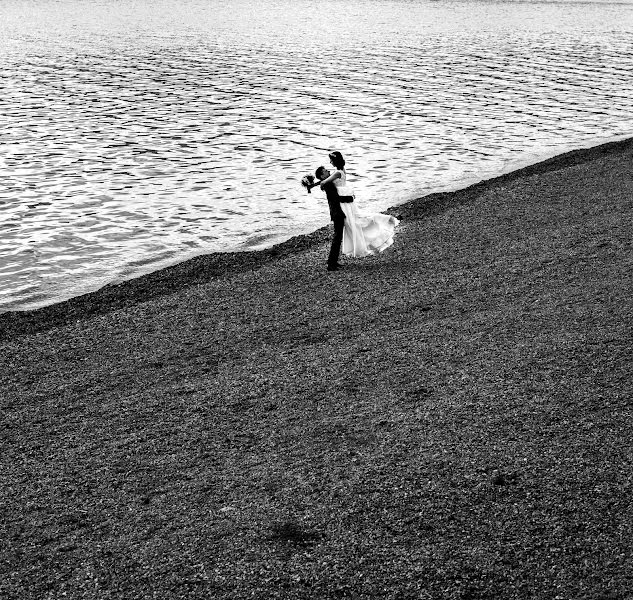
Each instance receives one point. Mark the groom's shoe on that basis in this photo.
(332, 267)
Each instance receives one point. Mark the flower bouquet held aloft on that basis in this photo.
(307, 182)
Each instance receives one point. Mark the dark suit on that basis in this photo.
(338, 218)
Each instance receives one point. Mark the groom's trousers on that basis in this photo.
(335, 250)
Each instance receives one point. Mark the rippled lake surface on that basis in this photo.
(137, 133)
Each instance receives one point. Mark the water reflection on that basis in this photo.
(143, 132)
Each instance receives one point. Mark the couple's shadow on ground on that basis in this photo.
(375, 265)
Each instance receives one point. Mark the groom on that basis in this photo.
(337, 216)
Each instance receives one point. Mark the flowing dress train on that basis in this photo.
(363, 235)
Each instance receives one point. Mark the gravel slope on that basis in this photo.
(448, 420)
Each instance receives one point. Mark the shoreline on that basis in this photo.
(448, 419)
(200, 269)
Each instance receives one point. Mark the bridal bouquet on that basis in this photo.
(307, 182)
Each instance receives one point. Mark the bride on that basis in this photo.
(362, 235)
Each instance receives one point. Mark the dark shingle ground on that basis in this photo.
(448, 420)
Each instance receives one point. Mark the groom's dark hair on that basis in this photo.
(319, 171)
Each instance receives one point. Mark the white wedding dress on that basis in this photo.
(362, 235)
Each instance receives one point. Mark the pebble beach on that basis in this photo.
(448, 419)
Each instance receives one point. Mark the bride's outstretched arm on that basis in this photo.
(332, 177)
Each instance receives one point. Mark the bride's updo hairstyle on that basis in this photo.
(337, 159)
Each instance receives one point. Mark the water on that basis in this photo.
(137, 133)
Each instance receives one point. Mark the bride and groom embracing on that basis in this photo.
(355, 235)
